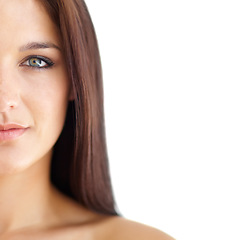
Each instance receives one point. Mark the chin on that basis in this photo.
(10, 166)
(15, 163)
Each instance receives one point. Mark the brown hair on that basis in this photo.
(80, 163)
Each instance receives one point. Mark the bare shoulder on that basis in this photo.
(118, 228)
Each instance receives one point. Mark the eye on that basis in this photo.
(37, 62)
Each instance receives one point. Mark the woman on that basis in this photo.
(54, 181)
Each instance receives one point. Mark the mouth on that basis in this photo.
(11, 131)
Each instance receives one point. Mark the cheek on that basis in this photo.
(50, 108)
(47, 101)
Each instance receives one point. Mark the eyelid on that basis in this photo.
(48, 61)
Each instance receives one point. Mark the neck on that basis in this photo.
(25, 196)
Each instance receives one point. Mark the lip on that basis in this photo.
(11, 131)
(11, 126)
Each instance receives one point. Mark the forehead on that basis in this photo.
(24, 21)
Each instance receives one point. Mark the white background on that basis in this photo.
(172, 101)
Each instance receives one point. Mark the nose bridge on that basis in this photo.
(9, 97)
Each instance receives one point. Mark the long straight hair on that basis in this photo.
(80, 162)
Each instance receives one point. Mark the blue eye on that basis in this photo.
(38, 62)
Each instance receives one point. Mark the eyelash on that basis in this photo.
(48, 61)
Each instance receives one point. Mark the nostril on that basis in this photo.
(9, 98)
(6, 105)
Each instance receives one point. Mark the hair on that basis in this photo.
(79, 165)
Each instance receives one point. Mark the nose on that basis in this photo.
(9, 98)
(7, 102)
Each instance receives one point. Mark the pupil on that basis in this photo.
(36, 62)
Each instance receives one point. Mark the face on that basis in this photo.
(34, 88)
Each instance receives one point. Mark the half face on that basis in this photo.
(34, 88)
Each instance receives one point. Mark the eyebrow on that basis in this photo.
(38, 45)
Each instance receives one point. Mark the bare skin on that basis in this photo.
(36, 96)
